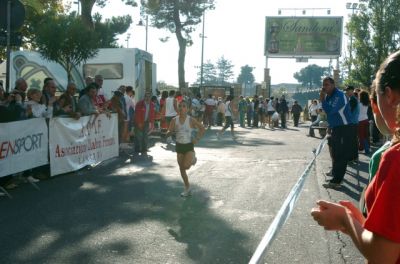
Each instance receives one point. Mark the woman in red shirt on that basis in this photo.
(378, 235)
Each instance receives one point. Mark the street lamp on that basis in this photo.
(202, 52)
(140, 23)
(127, 40)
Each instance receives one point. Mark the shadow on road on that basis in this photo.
(98, 216)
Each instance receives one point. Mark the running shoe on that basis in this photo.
(186, 193)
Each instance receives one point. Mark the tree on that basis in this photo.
(311, 76)
(224, 70)
(109, 29)
(376, 33)
(246, 75)
(65, 40)
(87, 7)
(209, 73)
(180, 18)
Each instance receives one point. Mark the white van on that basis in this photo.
(118, 66)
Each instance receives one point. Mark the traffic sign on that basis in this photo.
(17, 14)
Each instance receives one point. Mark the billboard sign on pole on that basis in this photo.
(312, 37)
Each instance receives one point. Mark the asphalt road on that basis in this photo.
(128, 209)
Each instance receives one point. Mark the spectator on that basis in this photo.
(220, 111)
(118, 106)
(256, 103)
(101, 100)
(210, 106)
(312, 110)
(48, 91)
(283, 110)
(171, 107)
(67, 104)
(130, 107)
(320, 118)
(363, 122)
(144, 120)
(86, 104)
(335, 105)
(377, 236)
(296, 111)
(20, 88)
(355, 111)
(242, 110)
(37, 109)
(164, 127)
(250, 110)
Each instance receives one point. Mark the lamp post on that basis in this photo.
(352, 7)
(146, 28)
(202, 52)
(127, 40)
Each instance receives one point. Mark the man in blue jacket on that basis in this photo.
(337, 108)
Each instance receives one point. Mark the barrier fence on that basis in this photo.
(285, 210)
(67, 144)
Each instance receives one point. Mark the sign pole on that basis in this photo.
(8, 45)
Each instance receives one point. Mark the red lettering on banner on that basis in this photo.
(2, 150)
(5, 148)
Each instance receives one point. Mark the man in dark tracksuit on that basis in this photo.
(337, 108)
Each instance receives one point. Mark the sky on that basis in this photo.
(234, 30)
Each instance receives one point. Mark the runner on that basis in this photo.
(182, 126)
(228, 118)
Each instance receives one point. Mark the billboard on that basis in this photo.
(312, 37)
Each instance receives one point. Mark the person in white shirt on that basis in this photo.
(228, 118)
(182, 126)
(35, 107)
(171, 107)
(313, 110)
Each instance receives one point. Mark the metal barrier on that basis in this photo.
(285, 210)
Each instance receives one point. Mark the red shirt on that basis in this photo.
(383, 198)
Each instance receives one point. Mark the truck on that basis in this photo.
(118, 66)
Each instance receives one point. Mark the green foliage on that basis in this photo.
(375, 30)
(246, 75)
(224, 69)
(65, 40)
(209, 74)
(180, 18)
(311, 76)
(87, 7)
(109, 29)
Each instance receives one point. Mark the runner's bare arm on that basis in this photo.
(199, 126)
(171, 129)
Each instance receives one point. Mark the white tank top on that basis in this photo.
(169, 107)
(183, 131)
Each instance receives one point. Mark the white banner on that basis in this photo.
(23, 145)
(77, 143)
